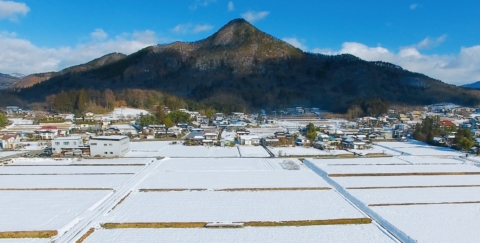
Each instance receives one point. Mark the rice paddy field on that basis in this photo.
(162, 192)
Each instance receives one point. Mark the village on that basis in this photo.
(283, 176)
(64, 135)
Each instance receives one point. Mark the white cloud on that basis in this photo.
(459, 68)
(190, 28)
(428, 42)
(201, 3)
(99, 34)
(252, 16)
(22, 56)
(10, 10)
(296, 43)
(231, 7)
(413, 6)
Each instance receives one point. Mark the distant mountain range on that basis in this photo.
(475, 85)
(243, 65)
(7, 79)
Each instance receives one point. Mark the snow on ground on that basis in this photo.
(62, 181)
(409, 144)
(21, 121)
(237, 206)
(417, 195)
(430, 160)
(327, 233)
(230, 173)
(224, 164)
(28, 146)
(117, 113)
(180, 151)
(297, 151)
(43, 210)
(233, 179)
(115, 161)
(419, 148)
(358, 161)
(397, 181)
(432, 151)
(166, 149)
(375, 150)
(47, 170)
(376, 169)
(25, 240)
(41, 161)
(253, 151)
(4, 154)
(436, 223)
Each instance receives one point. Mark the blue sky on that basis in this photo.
(438, 38)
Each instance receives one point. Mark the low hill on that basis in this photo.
(6, 80)
(33, 79)
(475, 85)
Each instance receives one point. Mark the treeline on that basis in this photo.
(370, 107)
(160, 118)
(430, 128)
(97, 101)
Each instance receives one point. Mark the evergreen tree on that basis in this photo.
(62, 102)
(3, 120)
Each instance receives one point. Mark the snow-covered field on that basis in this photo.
(419, 148)
(375, 150)
(43, 210)
(119, 113)
(41, 161)
(33, 146)
(436, 223)
(236, 206)
(430, 160)
(318, 234)
(403, 181)
(62, 181)
(359, 161)
(4, 154)
(25, 240)
(297, 151)
(165, 149)
(233, 179)
(52, 170)
(116, 161)
(417, 195)
(230, 173)
(223, 164)
(253, 151)
(395, 169)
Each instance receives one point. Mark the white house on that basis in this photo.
(10, 141)
(66, 144)
(249, 140)
(109, 146)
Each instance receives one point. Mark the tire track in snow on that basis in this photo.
(90, 217)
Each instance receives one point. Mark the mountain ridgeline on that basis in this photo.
(242, 65)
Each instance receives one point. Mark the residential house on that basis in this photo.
(73, 145)
(48, 132)
(10, 141)
(109, 146)
(249, 140)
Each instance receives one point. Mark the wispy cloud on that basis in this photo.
(459, 68)
(25, 57)
(10, 10)
(230, 6)
(99, 34)
(191, 28)
(201, 3)
(296, 43)
(429, 43)
(413, 6)
(252, 16)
